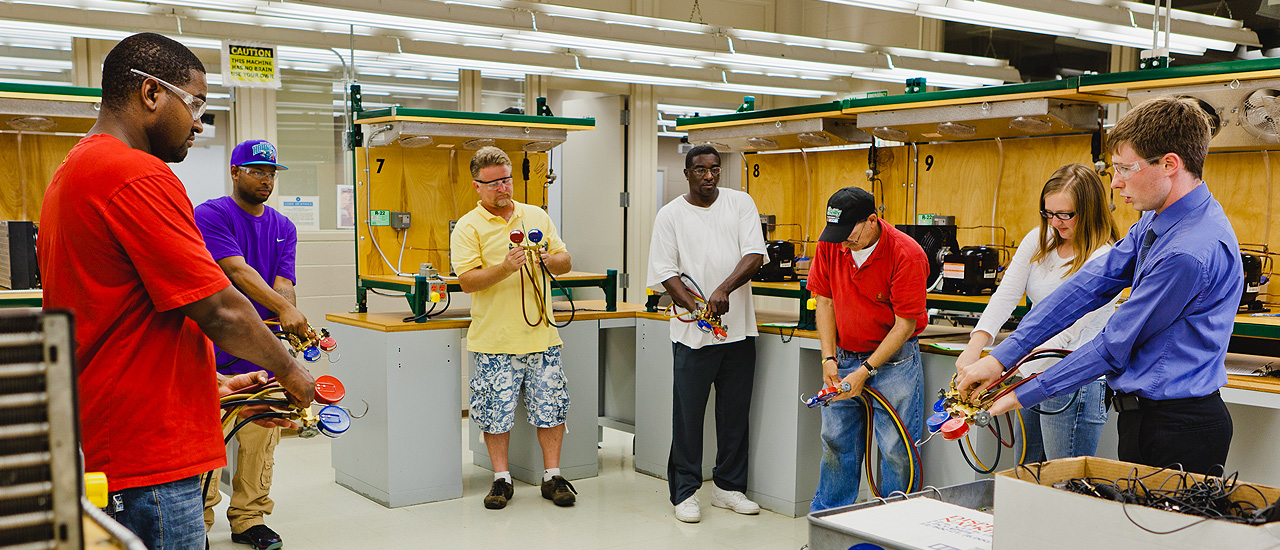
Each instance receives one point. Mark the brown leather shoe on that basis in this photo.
(499, 494)
(559, 490)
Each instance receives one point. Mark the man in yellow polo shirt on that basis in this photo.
(510, 353)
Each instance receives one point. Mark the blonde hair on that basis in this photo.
(1094, 223)
(486, 157)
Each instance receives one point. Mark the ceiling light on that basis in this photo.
(1030, 125)
(890, 134)
(814, 139)
(32, 124)
(652, 47)
(476, 144)
(539, 146)
(956, 129)
(1107, 21)
(762, 143)
(414, 142)
(720, 147)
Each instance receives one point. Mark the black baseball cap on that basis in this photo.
(845, 209)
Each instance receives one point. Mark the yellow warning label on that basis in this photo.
(250, 65)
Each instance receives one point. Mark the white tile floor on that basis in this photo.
(619, 509)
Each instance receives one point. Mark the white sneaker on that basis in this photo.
(733, 500)
(688, 510)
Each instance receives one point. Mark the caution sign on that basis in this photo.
(249, 64)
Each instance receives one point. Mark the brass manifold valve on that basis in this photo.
(311, 346)
(955, 409)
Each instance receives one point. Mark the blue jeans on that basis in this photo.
(168, 516)
(1074, 432)
(901, 381)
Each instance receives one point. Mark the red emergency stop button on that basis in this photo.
(329, 390)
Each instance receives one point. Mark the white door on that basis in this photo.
(592, 218)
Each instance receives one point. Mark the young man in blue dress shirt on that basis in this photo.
(1163, 350)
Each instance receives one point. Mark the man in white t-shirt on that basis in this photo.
(709, 240)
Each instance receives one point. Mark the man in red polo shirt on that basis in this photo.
(869, 280)
(119, 247)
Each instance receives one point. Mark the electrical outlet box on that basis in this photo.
(399, 220)
(379, 217)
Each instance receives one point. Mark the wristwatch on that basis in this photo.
(871, 371)
(829, 358)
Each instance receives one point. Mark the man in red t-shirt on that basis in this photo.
(119, 248)
(869, 281)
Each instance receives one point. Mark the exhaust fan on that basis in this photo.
(1247, 112)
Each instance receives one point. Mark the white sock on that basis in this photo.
(550, 473)
(505, 475)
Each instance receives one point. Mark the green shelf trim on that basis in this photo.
(780, 292)
(1256, 331)
(488, 117)
(10, 87)
(1206, 69)
(833, 107)
(969, 93)
(35, 301)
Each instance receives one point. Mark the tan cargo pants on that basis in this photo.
(251, 481)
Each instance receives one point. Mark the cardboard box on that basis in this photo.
(1031, 514)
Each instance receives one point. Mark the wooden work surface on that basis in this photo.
(1245, 319)
(570, 276)
(461, 317)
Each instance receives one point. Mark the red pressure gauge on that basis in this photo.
(517, 236)
(329, 390)
(954, 429)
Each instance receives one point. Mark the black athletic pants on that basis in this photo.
(730, 368)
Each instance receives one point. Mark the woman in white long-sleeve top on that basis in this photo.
(1076, 227)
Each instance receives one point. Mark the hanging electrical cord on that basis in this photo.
(368, 189)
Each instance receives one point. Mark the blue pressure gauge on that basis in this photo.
(311, 354)
(334, 421)
(936, 421)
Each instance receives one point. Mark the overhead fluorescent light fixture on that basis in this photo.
(1121, 23)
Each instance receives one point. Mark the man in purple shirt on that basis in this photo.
(1163, 351)
(255, 245)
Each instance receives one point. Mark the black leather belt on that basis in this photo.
(1123, 402)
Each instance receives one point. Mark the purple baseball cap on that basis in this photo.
(255, 151)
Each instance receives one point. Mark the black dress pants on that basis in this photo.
(730, 368)
(1195, 434)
